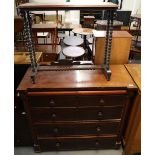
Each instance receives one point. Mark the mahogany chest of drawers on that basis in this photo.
(77, 109)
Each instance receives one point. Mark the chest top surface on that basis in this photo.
(78, 80)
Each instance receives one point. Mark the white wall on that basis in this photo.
(133, 5)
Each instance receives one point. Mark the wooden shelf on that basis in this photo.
(68, 6)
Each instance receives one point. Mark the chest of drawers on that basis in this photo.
(65, 114)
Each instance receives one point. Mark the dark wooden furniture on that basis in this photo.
(88, 21)
(123, 16)
(132, 136)
(70, 108)
(137, 31)
(97, 14)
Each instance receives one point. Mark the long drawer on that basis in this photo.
(72, 114)
(82, 128)
(69, 143)
(76, 100)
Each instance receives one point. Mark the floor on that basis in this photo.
(30, 151)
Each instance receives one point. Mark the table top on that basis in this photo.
(83, 31)
(73, 51)
(44, 26)
(77, 79)
(24, 57)
(73, 41)
(49, 25)
(68, 6)
(135, 72)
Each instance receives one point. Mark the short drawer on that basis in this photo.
(85, 128)
(99, 113)
(53, 114)
(102, 100)
(72, 143)
(52, 101)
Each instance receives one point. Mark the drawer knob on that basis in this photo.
(98, 129)
(53, 115)
(100, 114)
(97, 143)
(52, 102)
(23, 113)
(57, 144)
(101, 100)
(55, 130)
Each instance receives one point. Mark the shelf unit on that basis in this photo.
(27, 7)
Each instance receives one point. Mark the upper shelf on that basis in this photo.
(68, 6)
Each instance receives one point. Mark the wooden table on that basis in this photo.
(43, 28)
(132, 136)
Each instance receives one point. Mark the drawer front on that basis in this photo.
(53, 101)
(71, 114)
(77, 143)
(101, 100)
(99, 113)
(86, 128)
(74, 101)
(51, 114)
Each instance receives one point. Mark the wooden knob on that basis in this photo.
(100, 114)
(55, 130)
(97, 143)
(23, 113)
(52, 102)
(53, 115)
(57, 144)
(101, 100)
(98, 129)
